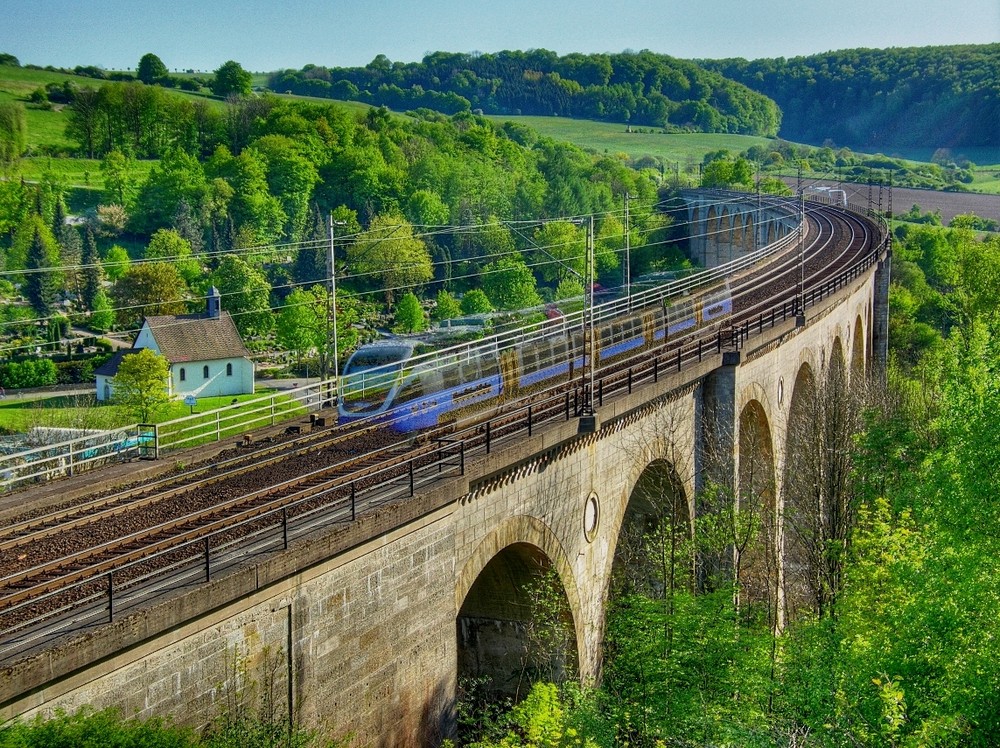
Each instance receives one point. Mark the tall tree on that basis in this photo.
(231, 78)
(92, 271)
(510, 284)
(187, 225)
(119, 178)
(245, 294)
(389, 256)
(148, 289)
(85, 120)
(150, 68)
(13, 133)
(42, 277)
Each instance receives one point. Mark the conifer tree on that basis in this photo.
(310, 262)
(42, 278)
(70, 256)
(93, 272)
(187, 226)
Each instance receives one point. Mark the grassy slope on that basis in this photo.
(607, 137)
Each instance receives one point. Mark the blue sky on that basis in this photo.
(266, 36)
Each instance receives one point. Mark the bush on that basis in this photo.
(39, 372)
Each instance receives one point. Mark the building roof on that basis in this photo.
(110, 367)
(195, 337)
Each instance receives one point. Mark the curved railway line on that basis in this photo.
(85, 563)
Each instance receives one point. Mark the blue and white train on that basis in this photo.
(414, 384)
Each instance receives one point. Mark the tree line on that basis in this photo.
(882, 98)
(643, 88)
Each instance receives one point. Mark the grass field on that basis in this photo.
(608, 137)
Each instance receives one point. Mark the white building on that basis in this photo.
(205, 354)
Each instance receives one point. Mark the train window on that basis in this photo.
(559, 349)
(419, 382)
(470, 371)
(529, 358)
(488, 365)
(450, 375)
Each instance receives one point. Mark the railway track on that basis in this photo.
(80, 556)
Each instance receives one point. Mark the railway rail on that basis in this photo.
(86, 564)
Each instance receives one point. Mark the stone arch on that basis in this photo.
(714, 223)
(657, 510)
(799, 531)
(495, 609)
(858, 351)
(756, 553)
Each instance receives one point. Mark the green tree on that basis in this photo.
(447, 306)
(409, 316)
(389, 256)
(13, 133)
(298, 327)
(150, 69)
(140, 385)
(563, 252)
(102, 317)
(291, 178)
(231, 78)
(42, 276)
(148, 289)
(92, 271)
(510, 284)
(85, 120)
(116, 262)
(119, 178)
(167, 245)
(476, 302)
(245, 294)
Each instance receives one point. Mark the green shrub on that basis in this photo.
(40, 372)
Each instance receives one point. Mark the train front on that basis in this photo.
(370, 380)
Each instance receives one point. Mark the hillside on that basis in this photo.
(882, 99)
(640, 88)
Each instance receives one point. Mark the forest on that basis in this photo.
(944, 97)
(641, 88)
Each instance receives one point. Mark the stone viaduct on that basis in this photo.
(363, 629)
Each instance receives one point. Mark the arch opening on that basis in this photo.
(515, 626)
(756, 542)
(858, 351)
(654, 553)
(819, 505)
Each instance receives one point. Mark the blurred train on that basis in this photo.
(414, 384)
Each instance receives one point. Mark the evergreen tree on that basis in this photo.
(70, 256)
(188, 227)
(58, 219)
(310, 262)
(92, 271)
(42, 278)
